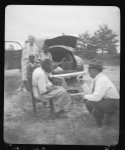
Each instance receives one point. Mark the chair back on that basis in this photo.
(30, 72)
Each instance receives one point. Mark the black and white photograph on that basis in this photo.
(62, 75)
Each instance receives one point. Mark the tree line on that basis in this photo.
(103, 40)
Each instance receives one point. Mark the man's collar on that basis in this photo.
(45, 72)
(98, 76)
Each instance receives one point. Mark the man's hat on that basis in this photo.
(96, 64)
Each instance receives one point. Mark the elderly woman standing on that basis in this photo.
(30, 49)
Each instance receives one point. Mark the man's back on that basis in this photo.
(37, 73)
(40, 82)
(110, 89)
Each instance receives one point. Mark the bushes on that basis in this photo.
(89, 54)
(108, 59)
(86, 54)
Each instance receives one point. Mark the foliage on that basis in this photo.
(112, 59)
(104, 39)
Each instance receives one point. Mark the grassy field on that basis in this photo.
(22, 126)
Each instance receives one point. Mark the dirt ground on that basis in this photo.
(22, 126)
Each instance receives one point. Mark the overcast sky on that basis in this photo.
(49, 21)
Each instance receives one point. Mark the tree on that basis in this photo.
(88, 42)
(85, 46)
(105, 39)
(84, 40)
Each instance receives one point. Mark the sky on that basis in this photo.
(45, 21)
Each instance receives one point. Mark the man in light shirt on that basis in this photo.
(104, 99)
(43, 89)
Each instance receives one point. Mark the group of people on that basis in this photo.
(104, 98)
(102, 101)
(31, 54)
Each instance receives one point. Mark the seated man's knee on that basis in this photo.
(63, 90)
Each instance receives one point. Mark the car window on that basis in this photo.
(12, 46)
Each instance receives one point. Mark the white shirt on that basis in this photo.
(104, 88)
(40, 82)
(87, 84)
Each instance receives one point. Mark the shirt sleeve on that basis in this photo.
(86, 89)
(99, 92)
(42, 84)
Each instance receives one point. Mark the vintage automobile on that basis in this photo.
(13, 52)
(61, 48)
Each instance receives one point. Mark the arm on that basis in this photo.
(43, 88)
(42, 84)
(100, 89)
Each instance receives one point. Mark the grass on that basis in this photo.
(22, 126)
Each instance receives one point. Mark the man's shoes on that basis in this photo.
(99, 123)
(62, 114)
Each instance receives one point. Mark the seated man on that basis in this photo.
(104, 99)
(44, 90)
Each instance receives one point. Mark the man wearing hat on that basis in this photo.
(43, 89)
(104, 100)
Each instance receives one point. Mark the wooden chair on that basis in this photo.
(34, 100)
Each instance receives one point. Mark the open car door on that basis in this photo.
(66, 40)
(62, 48)
(13, 54)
